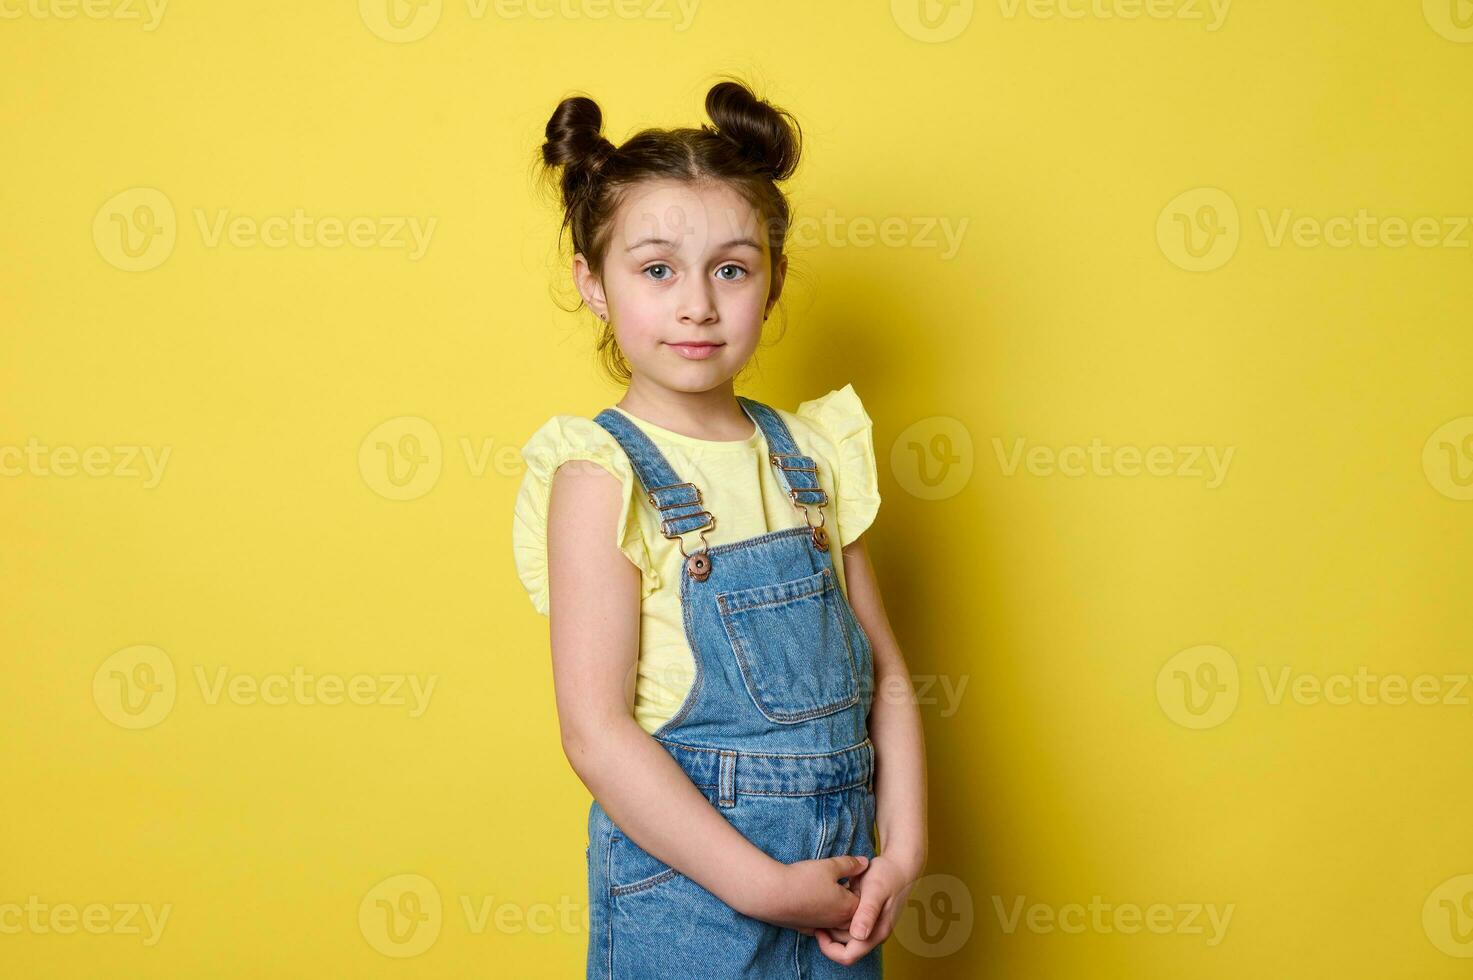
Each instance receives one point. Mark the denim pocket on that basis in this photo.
(632, 868)
(792, 643)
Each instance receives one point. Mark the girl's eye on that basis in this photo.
(657, 265)
(735, 267)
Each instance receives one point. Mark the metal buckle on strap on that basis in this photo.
(671, 486)
(818, 490)
(665, 523)
(781, 460)
(777, 459)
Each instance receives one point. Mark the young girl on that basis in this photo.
(716, 665)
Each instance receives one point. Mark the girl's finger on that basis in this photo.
(865, 916)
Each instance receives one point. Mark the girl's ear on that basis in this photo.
(775, 290)
(590, 287)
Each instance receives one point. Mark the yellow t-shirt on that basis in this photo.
(738, 485)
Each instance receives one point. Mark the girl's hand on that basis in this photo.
(807, 894)
(883, 888)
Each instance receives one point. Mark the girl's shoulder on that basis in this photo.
(839, 430)
(836, 418)
(558, 440)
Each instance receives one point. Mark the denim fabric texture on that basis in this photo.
(773, 732)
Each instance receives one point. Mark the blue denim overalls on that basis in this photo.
(773, 731)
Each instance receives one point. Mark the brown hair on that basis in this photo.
(751, 146)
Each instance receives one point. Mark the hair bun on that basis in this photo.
(575, 142)
(766, 135)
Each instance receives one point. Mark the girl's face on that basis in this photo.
(686, 284)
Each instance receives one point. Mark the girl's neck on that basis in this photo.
(711, 415)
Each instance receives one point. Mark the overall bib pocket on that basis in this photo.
(791, 641)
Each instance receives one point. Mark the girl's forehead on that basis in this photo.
(683, 214)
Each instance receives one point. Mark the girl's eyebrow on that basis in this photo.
(667, 243)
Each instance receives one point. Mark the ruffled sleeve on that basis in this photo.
(841, 416)
(563, 438)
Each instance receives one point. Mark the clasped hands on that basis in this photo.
(848, 920)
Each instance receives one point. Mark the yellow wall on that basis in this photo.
(1103, 655)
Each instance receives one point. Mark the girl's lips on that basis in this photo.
(696, 352)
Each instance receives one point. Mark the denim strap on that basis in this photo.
(797, 473)
(678, 501)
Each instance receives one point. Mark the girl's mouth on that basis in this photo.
(697, 351)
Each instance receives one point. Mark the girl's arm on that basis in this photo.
(894, 724)
(594, 605)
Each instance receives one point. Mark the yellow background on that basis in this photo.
(274, 541)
